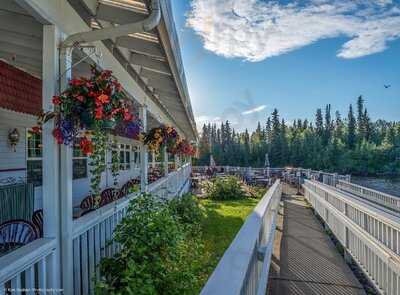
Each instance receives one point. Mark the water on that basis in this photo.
(388, 185)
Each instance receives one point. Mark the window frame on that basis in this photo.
(33, 159)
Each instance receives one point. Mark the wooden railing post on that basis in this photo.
(50, 164)
(143, 153)
(66, 188)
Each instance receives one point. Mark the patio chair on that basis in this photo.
(37, 221)
(16, 233)
(107, 196)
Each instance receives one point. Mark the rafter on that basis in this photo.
(150, 63)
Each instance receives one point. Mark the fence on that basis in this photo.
(377, 197)
(93, 232)
(371, 236)
(245, 265)
(33, 266)
(29, 268)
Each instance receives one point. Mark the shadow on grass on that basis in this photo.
(222, 221)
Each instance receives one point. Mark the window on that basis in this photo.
(34, 158)
(136, 155)
(79, 162)
(123, 154)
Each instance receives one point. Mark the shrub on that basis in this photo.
(225, 188)
(187, 210)
(158, 255)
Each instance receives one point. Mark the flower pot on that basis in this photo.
(108, 124)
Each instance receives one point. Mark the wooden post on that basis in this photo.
(50, 188)
(165, 160)
(143, 153)
(66, 188)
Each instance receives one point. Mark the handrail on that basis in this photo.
(369, 234)
(381, 198)
(17, 261)
(238, 271)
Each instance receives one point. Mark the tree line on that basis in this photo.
(354, 144)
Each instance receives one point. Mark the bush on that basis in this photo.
(225, 188)
(159, 255)
(187, 210)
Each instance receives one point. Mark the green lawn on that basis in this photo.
(221, 224)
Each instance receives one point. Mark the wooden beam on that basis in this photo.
(118, 15)
(141, 45)
(157, 80)
(150, 63)
(162, 92)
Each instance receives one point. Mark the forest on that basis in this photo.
(352, 144)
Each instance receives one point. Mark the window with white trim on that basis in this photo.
(123, 153)
(79, 162)
(34, 157)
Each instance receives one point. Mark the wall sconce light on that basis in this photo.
(13, 138)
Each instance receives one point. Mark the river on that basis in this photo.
(388, 185)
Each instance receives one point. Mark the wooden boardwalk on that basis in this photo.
(305, 261)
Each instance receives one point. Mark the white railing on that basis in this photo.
(245, 265)
(371, 236)
(372, 195)
(93, 232)
(30, 268)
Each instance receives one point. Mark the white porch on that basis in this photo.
(149, 67)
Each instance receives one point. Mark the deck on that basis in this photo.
(304, 259)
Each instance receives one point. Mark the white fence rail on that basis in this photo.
(369, 235)
(372, 195)
(93, 232)
(29, 268)
(244, 267)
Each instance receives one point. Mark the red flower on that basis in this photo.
(86, 146)
(99, 113)
(76, 82)
(36, 129)
(103, 98)
(127, 115)
(56, 100)
(58, 135)
(92, 94)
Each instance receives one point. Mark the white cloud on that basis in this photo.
(254, 110)
(201, 120)
(257, 29)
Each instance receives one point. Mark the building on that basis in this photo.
(41, 48)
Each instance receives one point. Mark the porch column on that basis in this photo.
(66, 188)
(143, 153)
(165, 160)
(50, 162)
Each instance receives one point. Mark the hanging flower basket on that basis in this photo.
(162, 136)
(93, 106)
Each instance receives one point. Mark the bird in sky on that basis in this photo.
(387, 86)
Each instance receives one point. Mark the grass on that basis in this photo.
(222, 221)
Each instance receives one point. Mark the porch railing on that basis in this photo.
(245, 265)
(92, 233)
(29, 268)
(370, 235)
(372, 195)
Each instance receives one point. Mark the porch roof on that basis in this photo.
(154, 56)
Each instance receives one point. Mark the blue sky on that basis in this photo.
(244, 58)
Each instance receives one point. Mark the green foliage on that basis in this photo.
(355, 145)
(225, 188)
(159, 252)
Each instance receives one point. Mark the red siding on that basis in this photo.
(19, 91)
